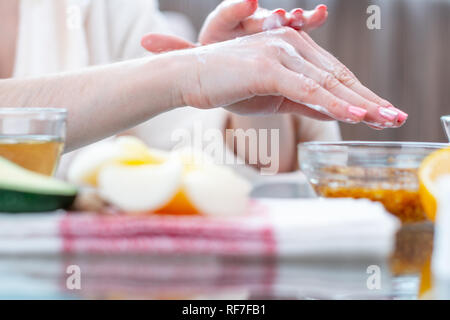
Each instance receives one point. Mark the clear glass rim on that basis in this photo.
(445, 118)
(51, 113)
(376, 144)
(56, 111)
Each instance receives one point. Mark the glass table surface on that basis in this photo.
(402, 276)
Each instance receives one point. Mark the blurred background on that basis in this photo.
(407, 61)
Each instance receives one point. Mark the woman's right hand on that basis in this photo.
(281, 62)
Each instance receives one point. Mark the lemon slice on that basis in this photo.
(432, 168)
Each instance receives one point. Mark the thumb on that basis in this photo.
(157, 43)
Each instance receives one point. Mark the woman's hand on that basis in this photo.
(228, 21)
(238, 18)
(283, 63)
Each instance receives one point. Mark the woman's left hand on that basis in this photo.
(238, 18)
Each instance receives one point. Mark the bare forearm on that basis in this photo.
(100, 101)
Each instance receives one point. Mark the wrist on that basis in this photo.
(173, 74)
(153, 85)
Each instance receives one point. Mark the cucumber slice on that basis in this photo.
(22, 190)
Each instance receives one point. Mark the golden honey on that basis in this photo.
(36, 153)
(405, 204)
(395, 188)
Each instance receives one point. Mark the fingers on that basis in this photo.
(226, 17)
(379, 115)
(234, 18)
(297, 20)
(290, 107)
(230, 13)
(315, 18)
(158, 43)
(326, 80)
(356, 85)
(264, 20)
(308, 20)
(274, 104)
(303, 90)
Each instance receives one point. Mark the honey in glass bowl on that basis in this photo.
(36, 153)
(33, 138)
(385, 172)
(401, 202)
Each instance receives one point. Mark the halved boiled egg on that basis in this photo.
(140, 188)
(137, 179)
(216, 190)
(207, 188)
(86, 166)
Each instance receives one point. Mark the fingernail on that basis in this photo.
(357, 112)
(322, 7)
(297, 12)
(402, 116)
(280, 12)
(388, 114)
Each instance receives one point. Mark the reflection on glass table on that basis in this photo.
(212, 277)
(165, 277)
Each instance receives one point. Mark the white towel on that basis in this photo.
(283, 228)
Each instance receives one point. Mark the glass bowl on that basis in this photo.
(33, 138)
(446, 124)
(379, 171)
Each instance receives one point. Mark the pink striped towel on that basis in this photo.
(271, 228)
